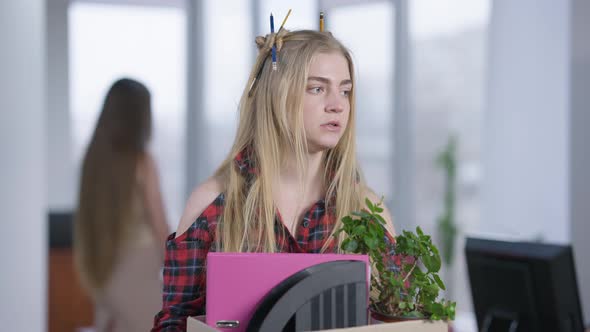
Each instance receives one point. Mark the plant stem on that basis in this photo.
(410, 272)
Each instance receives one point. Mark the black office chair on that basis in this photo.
(324, 296)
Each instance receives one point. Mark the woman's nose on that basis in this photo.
(335, 104)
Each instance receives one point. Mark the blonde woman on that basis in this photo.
(289, 178)
(120, 228)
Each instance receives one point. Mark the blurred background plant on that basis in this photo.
(447, 227)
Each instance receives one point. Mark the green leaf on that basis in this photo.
(380, 219)
(428, 263)
(351, 246)
(373, 231)
(437, 262)
(345, 243)
(437, 309)
(439, 282)
(450, 310)
(419, 231)
(371, 243)
(361, 214)
(359, 230)
(402, 305)
(435, 250)
(431, 263)
(347, 220)
(370, 205)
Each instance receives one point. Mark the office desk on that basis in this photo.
(197, 325)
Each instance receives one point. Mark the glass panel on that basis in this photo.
(371, 42)
(145, 43)
(228, 52)
(449, 74)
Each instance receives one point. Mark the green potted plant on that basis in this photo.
(404, 279)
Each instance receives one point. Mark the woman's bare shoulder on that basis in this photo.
(200, 198)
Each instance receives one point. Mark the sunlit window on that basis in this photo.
(372, 45)
(148, 44)
(448, 40)
(228, 51)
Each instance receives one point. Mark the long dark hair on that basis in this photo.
(108, 186)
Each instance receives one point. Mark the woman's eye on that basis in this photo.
(346, 93)
(315, 90)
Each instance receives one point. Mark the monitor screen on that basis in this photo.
(521, 286)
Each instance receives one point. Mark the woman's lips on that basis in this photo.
(331, 126)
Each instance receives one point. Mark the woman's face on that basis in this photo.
(326, 103)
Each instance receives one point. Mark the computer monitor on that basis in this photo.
(521, 286)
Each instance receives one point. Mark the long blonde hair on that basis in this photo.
(108, 184)
(270, 126)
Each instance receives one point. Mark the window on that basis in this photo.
(448, 42)
(228, 56)
(371, 42)
(108, 42)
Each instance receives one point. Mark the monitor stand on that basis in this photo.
(500, 321)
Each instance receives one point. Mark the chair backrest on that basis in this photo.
(238, 282)
(325, 296)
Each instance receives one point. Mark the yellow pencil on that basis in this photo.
(285, 20)
(321, 21)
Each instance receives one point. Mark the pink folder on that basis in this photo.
(237, 282)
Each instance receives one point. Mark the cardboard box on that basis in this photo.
(196, 324)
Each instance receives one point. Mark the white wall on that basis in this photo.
(525, 127)
(61, 190)
(579, 150)
(536, 161)
(23, 173)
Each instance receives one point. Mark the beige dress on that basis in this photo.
(133, 294)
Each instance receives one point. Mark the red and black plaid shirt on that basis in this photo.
(184, 266)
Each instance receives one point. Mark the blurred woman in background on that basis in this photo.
(120, 224)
